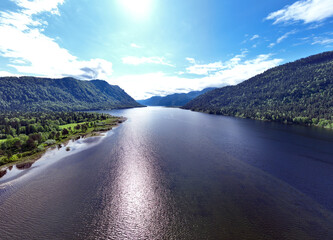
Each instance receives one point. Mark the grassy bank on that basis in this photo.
(21, 147)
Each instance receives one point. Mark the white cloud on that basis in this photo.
(131, 60)
(322, 41)
(233, 71)
(316, 25)
(204, 69)
(31, 52)
(284, 36)
(191, 60)
(254, 37)
(133, 45)
(39, 6)
(280, 39)
(306, 10)
(236, 73)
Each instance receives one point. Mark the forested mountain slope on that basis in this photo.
(66, 94)
(298, 92)
(173, 100)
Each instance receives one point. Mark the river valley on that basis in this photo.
(168, 173)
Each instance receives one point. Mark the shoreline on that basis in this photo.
(29, 160)
(258, 119)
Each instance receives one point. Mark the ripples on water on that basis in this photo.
(174, 174)
(136, 204)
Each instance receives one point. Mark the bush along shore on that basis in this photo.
(26, 136)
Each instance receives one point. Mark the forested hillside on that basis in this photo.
(173, 100)
(300, 92)
(66, 94)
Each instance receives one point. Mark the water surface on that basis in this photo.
(174, 174)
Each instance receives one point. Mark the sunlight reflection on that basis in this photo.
(139, 196)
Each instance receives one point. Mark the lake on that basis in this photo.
(169, 173)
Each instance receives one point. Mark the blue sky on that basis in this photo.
(158, 47)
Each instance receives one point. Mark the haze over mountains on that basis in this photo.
(298, 92)
(173, 100)
(66, 94)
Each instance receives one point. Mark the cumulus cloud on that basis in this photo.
(131, 60)
(31, 52)
(239, 71)
(92, 69)
(306, 10)
(233, 71)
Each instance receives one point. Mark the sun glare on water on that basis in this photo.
(138, 8)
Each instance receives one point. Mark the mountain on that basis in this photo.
(299, 92)
(173, 100)
(66, 94)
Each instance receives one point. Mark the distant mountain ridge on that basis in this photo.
(65, 94)
(173, 100)
(299, 92)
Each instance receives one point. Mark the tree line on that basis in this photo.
(23, 134)
(300, 92)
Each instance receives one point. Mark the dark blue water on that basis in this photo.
(174, 174)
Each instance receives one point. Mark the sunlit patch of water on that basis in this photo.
(137, 205)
